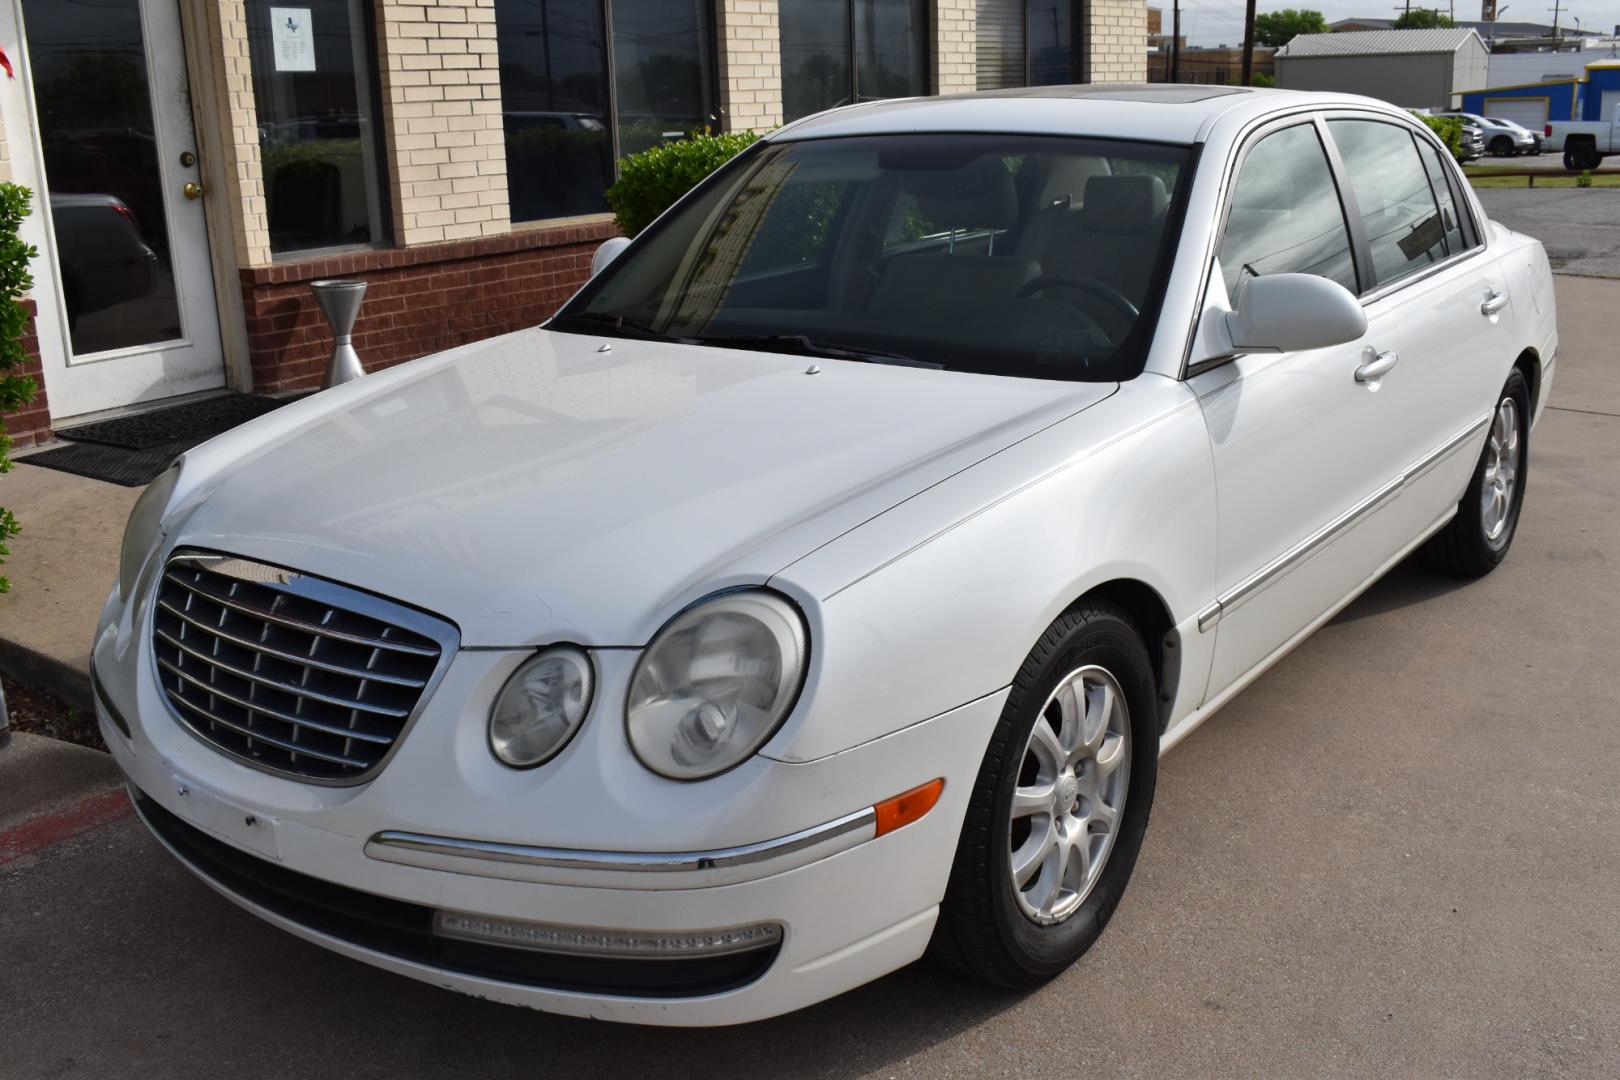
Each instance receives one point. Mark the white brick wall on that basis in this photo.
(1116, 37)
(440, 85)
(750, 64)
(954, 59)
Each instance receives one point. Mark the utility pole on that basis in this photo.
(1554, 9)
(1248, 43)
(1175, 42)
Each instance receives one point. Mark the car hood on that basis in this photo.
(543, 486)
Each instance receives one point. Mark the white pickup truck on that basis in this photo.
(1585, 143)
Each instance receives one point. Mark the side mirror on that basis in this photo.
(607, 253)
(1289, 312)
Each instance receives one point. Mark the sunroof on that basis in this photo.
(1164, 94)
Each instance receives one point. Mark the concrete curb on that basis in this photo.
(66, 681)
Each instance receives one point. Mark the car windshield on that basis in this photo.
(1021, 255)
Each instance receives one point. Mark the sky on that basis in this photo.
(1213, 22)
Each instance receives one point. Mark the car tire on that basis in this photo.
(1502, 146)
(1581, 158)
(1477, 540)
(989, 927)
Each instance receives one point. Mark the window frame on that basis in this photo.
(1079, 54)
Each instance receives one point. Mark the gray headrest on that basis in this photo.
(980, 196)
(1124, 203)
(1068, 178)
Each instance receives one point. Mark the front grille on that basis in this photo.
(287, 672)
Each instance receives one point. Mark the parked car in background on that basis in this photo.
(1501, 138)
(820, 586)
(1584, 143)
(104, 260)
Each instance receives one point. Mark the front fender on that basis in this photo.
(938, 601)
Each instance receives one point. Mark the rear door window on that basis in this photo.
(1403, 223)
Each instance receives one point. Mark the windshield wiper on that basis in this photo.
(802, 345)
(598, 322)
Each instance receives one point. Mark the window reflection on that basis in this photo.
(317, 139)
(1027, 43)
(555, 92)
(823, 66)
(661, 55)
(94, 101)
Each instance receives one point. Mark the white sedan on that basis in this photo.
(820, 587)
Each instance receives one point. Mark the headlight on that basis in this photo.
(715, 683)
(541, 706)
(141, 534)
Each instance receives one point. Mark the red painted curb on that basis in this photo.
(39, 833)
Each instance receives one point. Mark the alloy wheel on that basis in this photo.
(1070, 796)
(1501, 470)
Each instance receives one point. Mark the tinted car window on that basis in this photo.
(1285, 216)
(1393, 196)
(1450, 216)
(1026, 255)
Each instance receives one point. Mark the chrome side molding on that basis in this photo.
(1267, 575)
(654, 869)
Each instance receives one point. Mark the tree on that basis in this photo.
(1277, 28)
(1423, 19)
(15, 390)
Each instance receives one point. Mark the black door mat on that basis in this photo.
(190, 423)
(114, 464)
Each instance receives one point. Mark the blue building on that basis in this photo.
(1594, 96)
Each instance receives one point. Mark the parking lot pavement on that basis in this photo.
(1580, 227)
(1397, 854)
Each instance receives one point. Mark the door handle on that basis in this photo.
(192, 190)
(1494, 303)
(1377, 367)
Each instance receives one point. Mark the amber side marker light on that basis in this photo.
(907, 807)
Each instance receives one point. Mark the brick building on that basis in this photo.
(197, 163)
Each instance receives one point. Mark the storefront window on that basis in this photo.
(663, 53)
(554, 88)
(835, 52)
(1028, 43)
(312, 84)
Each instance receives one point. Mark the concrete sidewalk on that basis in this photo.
(61, 566)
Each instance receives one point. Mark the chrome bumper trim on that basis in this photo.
(624, 869)
(1267, 575)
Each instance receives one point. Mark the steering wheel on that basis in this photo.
(1100, 289)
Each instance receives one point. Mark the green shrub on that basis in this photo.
(1449, 129)
(1585, 179)
(651, 181)
(1260, 78)
(15, 390)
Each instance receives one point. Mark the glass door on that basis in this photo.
(124, 287)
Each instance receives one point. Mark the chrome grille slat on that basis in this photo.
(259, 647)
(308, 628)
(273, 714)
(312, 695)
(259, 736)
(290, 673)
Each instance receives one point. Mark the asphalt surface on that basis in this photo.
(1395, 855)
(1580, 227)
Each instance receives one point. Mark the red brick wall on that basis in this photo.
(33, 424)
(419, 300)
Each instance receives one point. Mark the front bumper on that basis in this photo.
(852, 912)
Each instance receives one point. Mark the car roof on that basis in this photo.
(1158, 112)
